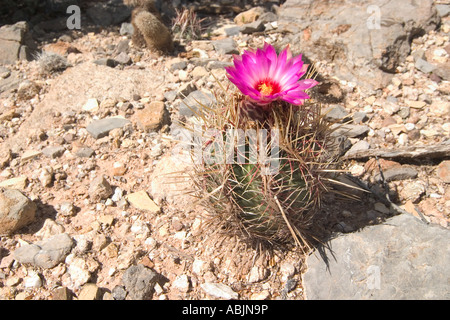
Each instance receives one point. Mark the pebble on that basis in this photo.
(16, 211)
(152, 117)
(15, 183)
(61, 293)
(46, 177)
(287, 270)
(398, 173)
(32, 281)
(361, 145)
(182, 283)
(85, 152)
(119, 293)
(443, 171)
(219, 290)
(142, 201)
(79, 269)
(349, 130)
(140, 229)
(139, 282)
(90, 291)
(91, 105)
(225, 46)
(194, 100)
(101, 128)
(424, 66)
(47, 253)
(100, 189)
(257, 274)
(53, 152)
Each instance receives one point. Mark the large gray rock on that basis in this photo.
(47, 253)
(402, 258)
(139, 281)
(16, 211)
(366, 39)
(15, 43)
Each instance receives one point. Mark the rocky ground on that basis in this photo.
(90, 149)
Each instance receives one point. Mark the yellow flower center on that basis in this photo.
(265, 88)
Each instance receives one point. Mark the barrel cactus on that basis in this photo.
(264, 151)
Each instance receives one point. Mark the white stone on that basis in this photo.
(91, 105)
(182, 283)
(33, 281)
(219, 290)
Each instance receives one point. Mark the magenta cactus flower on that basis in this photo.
(265, 77)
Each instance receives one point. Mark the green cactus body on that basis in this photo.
(271, 207)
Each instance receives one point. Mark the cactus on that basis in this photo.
(262, 207)
(270, 158)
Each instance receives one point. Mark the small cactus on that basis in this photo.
(264, 165)
(267, 202)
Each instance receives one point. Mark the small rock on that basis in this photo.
(123, 58)
(287, 269)
(443, 171)
(398, 173)
(106, 62)
(219, 290)
(91, 105)
(67, 209)
(46, 177)
(249, 28)
(335, 113)
(53, 152)
(195, 100)
(361, 145)
(424, 66)
(177, 64)
(413, 191)
(141, 229)
(142, 201)
(199, 267)
(100, 189)
(90, 291)
(257, 274)
(15, 183)
(263, 295)
(119, 293)
(61, 293)
(186, 89)
(16, 211)
(349, 130)
(79, 270)
(380, 207)
(45, 254)
(182, 283)
(30, 154)
(32, 281)
(126, 29)
(118, 169)
(101, 128)
(139, 281)
(416, 104)
(85, 152)
(249, 16)
(49, 229)
(152, 117)
(199, 72)
(225, 46)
